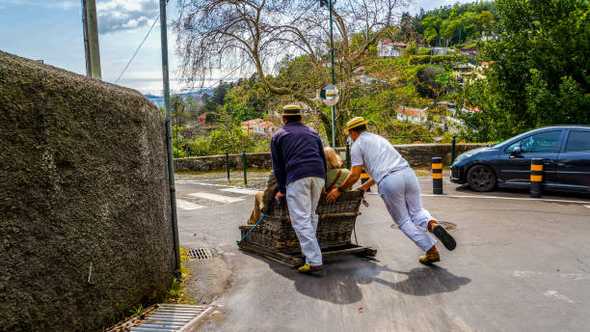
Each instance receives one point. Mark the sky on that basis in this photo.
(51, 30)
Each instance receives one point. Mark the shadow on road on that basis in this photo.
(423, 281)
(339, 281)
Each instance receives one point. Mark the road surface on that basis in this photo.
(521, 265)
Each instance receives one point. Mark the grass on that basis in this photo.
(177, 292)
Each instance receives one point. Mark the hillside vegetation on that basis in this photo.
(482, 72)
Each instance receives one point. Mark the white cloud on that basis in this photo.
(63, 4)
(118, 15)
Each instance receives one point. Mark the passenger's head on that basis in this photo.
(292, 113)
(332, 158)
(356, 127)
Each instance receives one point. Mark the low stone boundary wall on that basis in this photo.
(418, 155)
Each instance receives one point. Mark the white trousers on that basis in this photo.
(401, 193)
(303, 196)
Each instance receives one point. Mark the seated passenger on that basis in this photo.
(263, 199)
(336, 172)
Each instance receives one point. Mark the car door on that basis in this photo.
(515, 163)
(573, 166)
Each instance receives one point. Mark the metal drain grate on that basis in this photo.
(202, 254)
(172, 318)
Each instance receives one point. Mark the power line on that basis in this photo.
(156, 19)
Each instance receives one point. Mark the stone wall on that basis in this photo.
(419, 155)
(85, 233)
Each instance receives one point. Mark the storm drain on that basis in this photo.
(172, 318)
(202, 254)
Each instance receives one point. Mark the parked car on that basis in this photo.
(565, 150)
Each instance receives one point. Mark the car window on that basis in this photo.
(579, 140)
(548, 142)
(513, 147)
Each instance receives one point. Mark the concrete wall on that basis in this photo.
(419, 155)
(84, 230)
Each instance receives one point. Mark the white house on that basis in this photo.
(259, 127)
(410, 114)
(390, 49)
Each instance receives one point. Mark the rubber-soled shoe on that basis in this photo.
(447, 240)
(307, 268)
(429, 258)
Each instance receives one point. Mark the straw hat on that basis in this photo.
(356, 122)
(292, 110)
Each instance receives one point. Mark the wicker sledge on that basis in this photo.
(275, 238)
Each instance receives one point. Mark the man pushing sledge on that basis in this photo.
(300, 168)
(398, 186)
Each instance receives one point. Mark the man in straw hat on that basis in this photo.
(300, 168)
(398, 186)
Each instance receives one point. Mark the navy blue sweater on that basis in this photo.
(297, 152)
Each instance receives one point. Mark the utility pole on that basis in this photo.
(166, 82)
(330, 4)
(91, 47)
(332, 59)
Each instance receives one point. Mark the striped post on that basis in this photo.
(437, 176)
(536, 177)
(364, 178)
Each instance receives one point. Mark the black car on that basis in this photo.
(565, 150)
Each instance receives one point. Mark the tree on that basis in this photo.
(541, 74)
(225, 33)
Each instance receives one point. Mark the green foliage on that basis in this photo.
(436, 59)
(432, 81)
(541, 71)
(227, 140)
(247, 100)
(401, 132)
(454, 25)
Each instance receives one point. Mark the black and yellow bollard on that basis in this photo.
(364, 178)
(536, 177)
(437, 176)
(245, 167)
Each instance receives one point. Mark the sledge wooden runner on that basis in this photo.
(275, 239)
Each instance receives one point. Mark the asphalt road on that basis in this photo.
(520, 265)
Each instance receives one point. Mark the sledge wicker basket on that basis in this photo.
(335, 226)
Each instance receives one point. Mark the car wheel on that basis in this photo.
(481, 178)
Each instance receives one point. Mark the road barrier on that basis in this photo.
(364, 178)
(245, 167)
(227, 166)
(437, 176)
(453, 149)
(536, 177)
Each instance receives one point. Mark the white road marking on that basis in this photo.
(186, 205)
(216, 198)
(588, 206)
(532, 274)
(200, 183)
(243, 191)
(510, 198)
(557, 295)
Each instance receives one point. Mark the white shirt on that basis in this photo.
(376, 155)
